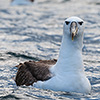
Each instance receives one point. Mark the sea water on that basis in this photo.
(34, 32)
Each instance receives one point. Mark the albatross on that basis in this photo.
(66, 73)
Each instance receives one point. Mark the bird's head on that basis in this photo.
(73, 27)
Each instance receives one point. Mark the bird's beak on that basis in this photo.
(74, 33)
(73, 30)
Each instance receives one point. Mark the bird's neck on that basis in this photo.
(70, 56)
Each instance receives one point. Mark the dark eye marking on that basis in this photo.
(67, 22)
(80, 23)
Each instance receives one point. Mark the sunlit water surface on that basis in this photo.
(34, 32)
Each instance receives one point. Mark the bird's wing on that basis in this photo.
(30, 72)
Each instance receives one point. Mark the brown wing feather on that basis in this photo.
(30, 72)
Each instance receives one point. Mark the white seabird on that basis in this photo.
(68, 72)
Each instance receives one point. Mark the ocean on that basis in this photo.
(34, 32)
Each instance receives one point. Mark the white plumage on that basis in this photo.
(68, 72)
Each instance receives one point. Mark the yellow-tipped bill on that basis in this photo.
(73, 29)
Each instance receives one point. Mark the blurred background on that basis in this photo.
(33, 31)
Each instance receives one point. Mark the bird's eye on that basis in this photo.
(67, 22)
(80, 23)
